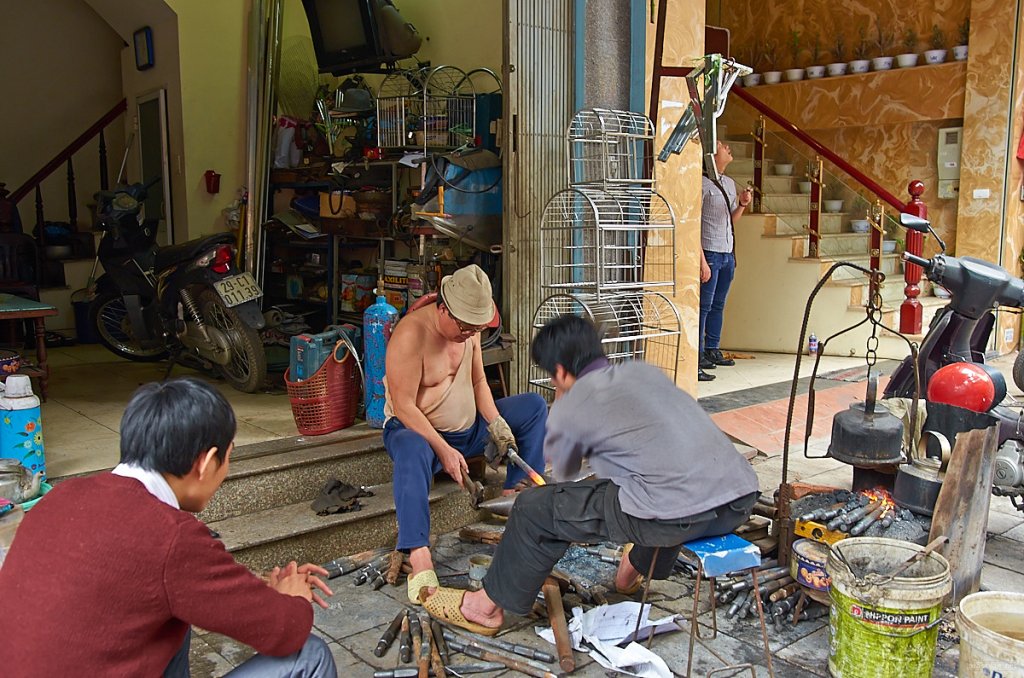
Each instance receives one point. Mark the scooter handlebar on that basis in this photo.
(926, 264)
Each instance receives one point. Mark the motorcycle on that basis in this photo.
(960, 332)
(187, 302)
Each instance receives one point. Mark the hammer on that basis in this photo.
(556, 616)
(475, 489)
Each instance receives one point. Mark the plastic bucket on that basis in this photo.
(882, 627)
(991, 629)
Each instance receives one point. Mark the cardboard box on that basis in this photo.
(338, 205)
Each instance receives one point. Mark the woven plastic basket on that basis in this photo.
(328, 400)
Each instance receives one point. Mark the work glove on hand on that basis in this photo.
(501, 440)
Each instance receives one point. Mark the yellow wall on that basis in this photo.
(679, 179)
(212, 43)
(52, 95)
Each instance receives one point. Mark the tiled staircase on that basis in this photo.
(262, 511)
(775, 276)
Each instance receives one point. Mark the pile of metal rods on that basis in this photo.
(857, 514)
(778, 592)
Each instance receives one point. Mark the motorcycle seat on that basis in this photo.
(175, 254)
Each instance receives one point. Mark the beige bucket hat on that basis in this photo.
(467, 294)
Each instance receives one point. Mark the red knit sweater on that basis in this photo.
(103, 579)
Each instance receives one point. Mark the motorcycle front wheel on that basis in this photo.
(247, 370)
(1018, 370)
(109, 315)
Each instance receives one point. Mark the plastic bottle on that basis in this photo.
(378, 321)
(21, 425)
(812, 344)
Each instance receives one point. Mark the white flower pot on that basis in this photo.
(888, 246)
(935, 56)
(804, 187)
(859, 225)
(794, 74)
(960, 52)
(833, 206)
(906, 60)
(815, 72)
(881, 63)
(784, 169)
(836, 69)
(752, 80)
(860, 66)
(772, 77)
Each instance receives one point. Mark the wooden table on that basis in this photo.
(19, 308)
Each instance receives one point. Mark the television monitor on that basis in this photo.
(345, 37)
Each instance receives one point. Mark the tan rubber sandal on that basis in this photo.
(445, 605)
(425, 579)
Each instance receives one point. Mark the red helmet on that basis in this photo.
(971, 386)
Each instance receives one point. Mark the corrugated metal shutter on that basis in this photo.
(539, 73)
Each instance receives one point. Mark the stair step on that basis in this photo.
(271, 474)
(263, 539)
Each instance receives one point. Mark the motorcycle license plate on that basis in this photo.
(238, 289)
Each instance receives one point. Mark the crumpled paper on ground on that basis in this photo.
(599, 631)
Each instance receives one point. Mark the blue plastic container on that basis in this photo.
(378, 322)
(21, 425)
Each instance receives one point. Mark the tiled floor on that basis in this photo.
(89, 388)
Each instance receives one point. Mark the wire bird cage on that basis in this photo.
(607, 240)
(431, 108)
(642, 326)
(610, 147)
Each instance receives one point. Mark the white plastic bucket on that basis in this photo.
(991, 626)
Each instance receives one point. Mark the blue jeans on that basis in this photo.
(416, 464)
(712, 297)
(314, 660)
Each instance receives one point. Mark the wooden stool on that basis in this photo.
(716, 557)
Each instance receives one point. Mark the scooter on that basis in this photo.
(187, 301)
(960, 332)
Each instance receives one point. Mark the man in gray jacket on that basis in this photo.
(665, 475)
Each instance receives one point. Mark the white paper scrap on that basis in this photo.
(602, 629)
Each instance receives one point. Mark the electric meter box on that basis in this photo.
(950, 141)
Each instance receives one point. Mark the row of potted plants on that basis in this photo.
(862, 62)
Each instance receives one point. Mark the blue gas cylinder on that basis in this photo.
(21, 425)
(378, 321)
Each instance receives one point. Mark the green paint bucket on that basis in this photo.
(882, 626)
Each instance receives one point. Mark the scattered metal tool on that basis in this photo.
(347, 564)
(521, 665)
(405, 644)
(514, 648)
(389, 634)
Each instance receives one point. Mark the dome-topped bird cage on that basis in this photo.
(644, 326)
(610, 146)
(607, 240)
(430, 108)
(399, 105)
(608, 244)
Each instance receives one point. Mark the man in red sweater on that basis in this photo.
(107, 573)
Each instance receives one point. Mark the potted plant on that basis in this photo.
(964, 31)
(794, 74)
(937, 54)
(816, 70)
(770, 56)
(909, 56)
(751, 59)
(860, 63)
(838, 67)
(883, 42)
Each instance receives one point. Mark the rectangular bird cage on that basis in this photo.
(610, 147)
(429, 108)
(604, 241)
(633, 326)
